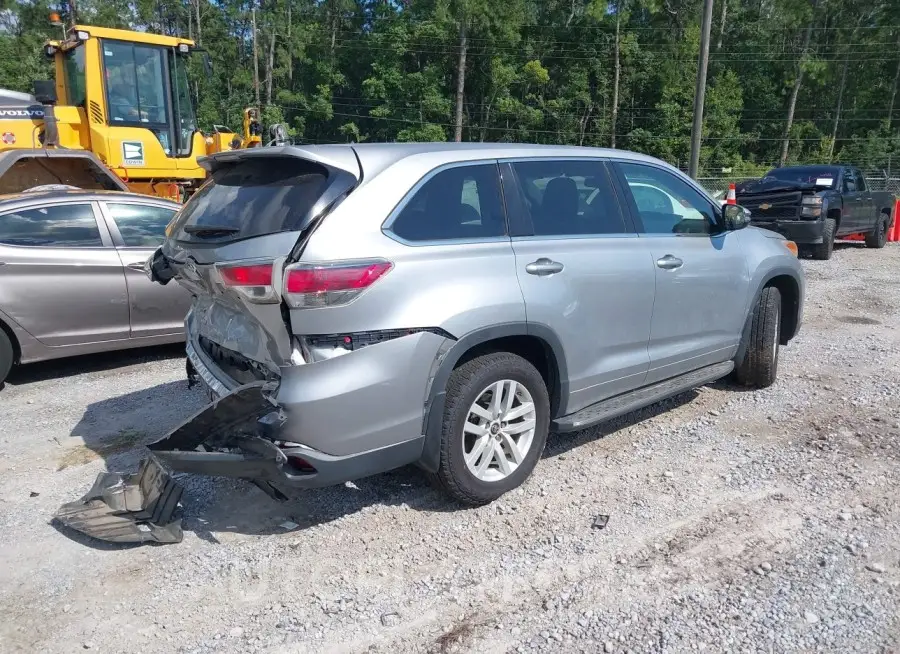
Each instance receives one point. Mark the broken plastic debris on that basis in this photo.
(600, 522)
(287, 525)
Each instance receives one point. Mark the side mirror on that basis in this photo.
(45, 92)
(736, 217)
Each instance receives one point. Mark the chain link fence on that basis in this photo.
(719, 185)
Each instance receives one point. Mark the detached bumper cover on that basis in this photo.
(235, 436)
(137, 508)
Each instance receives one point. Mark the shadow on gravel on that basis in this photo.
(90, 363)
(221, 506)
(562, 443)
(114, 429)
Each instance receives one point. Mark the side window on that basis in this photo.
(667, 204)
(59, 226)
(849, 182)
(459, 203)
(140, 225)
(569, 198)
(860, 181)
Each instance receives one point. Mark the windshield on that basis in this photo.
(185, 124)
(252, 198)
(820, 176)
(135, 84)
(73, 61)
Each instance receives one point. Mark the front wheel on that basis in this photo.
(7, 356)
(823, 250)
(877, 238)
(496, 420)
(760, 365)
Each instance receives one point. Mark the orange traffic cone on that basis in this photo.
(732, 196)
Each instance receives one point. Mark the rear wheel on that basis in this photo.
(760, 365)
(823, 250)
(6, 356)
(877, 238)
(496, 419)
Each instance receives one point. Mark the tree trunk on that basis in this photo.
(617, 69)
(795, 92)
(722, 24)
(890, 113)
(255, 58)
(460, 80)
(270, 74)
(837, 112)
(199, 28)
(290, 45)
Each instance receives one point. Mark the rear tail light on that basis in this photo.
(330, 284)
(251, 280)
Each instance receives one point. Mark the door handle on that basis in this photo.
(669, 262)
(137, 265)
(543, 267)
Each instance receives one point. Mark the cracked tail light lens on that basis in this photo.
(252, 281)
(330, 284)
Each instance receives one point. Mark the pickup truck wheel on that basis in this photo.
(496, 420)
(823, 250)
(760, 365)
(6, 356)
(877, 238)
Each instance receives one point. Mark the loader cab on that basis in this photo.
(131, 91)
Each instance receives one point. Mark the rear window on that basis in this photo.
(253, 198)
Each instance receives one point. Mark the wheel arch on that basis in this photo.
(788, 285)
(537, 344)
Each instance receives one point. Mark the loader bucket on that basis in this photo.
(21, 170)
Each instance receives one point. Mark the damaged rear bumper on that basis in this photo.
(236, 436)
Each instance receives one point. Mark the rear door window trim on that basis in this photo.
(521, 228)
(386, 226)
(116, 236)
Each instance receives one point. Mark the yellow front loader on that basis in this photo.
(119, 116)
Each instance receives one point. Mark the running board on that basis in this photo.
(640, 398)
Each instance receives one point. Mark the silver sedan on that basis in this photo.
(72, 279)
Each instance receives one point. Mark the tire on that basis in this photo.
(7, 356)
(473, 382)
(760, 365)
(823, 250)
(877, 238)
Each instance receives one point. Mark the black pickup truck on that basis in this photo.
(811, 205)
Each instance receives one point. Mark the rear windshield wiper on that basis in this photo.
(209, 231)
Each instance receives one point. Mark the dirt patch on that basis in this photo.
(82, 454)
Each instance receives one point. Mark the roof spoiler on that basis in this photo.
(334, 157)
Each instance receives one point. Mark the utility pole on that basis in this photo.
(255, 58)
(700, 93)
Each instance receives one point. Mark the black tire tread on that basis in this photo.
(823, 250)
(7, 355)
(877, 238)
(458, 386)
(759, 368)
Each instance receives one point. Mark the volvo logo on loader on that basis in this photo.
(132, 153)
(22, 114)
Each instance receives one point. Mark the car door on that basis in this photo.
(585, 274)
(851, 217)
(60, 278)
(702, 276)
(137, 229)
(865, 207)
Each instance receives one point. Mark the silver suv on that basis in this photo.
(363, 307)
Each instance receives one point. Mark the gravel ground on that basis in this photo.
(738, 521)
